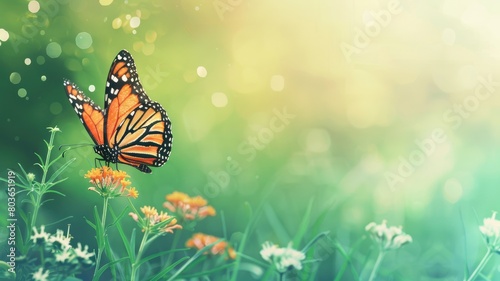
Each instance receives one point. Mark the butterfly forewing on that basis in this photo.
(90, 114)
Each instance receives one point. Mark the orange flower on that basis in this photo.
(149, 212)
(132, 192)
(154, 221)
(200, 240)
(110, 183)
(188, 208)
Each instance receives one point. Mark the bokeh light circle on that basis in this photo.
(34, 6)
(91, 88)
(40, 60)
(105, 2)
(201, 71)
(135, 22)
(117, 23)
(22, 93)
(53, 50)
(27, 61)
(55, 108)
(15, 78)
(4, 35)
(83, 40)
(43, 78)
(219, 99)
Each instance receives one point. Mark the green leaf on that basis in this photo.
(347, 262)
(98, 230)
(71, 278)
(101, 270)
(193, 258)
(40, 159)
(126, 244)
(241, 246)
(60, 170)
(56, 192)
(46, 143)
(207, 272)
(53, 161)
(167, 269)
(89, 222)
(150, 257)
(304, 225)
(276, 224)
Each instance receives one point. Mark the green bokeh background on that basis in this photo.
(363, 99)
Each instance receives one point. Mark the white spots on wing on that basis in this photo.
(124, 78)
(114, 78)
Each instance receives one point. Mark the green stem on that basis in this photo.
(135, 265)
(481, 264)
(281, 276)
(380, 257)
(104, 236)
(177, 237)
(45, 169)
(38, 201)
(47, 159)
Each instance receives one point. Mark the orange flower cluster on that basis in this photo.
(188, 208)
(110, 183)
(154, 220)
(200, 240)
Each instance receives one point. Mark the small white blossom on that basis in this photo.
(66, 255)
(491, 232)
(40, 237)
(40, 275)
(268, 250)
(388, 238)
(284, 259)
(61, 239)
(83, 253)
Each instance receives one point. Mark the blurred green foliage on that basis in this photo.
(357, 118)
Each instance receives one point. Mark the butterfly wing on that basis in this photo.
(124, 92)
(137, 127)
(90, 114)
(144, 138)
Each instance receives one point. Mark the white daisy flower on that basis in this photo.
(284, 259)
(388, 238)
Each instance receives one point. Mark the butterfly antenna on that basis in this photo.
(73, 146)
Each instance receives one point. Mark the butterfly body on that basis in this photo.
(132, 129)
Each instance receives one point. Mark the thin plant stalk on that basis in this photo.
(481, 264)
(135, 265)
(380, 257)
(177, 237)
(45, 169)
(103, 227)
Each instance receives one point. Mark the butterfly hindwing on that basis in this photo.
(90, 114)
(145, 136)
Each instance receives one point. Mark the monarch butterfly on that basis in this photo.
(132, 129)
